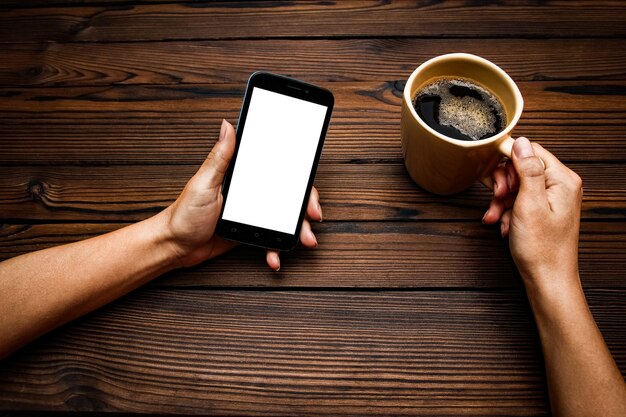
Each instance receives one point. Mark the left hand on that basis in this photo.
(192, 218)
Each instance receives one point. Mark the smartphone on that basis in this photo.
(280, 135)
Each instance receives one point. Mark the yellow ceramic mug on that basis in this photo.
(443, 165)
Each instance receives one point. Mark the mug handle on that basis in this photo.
(505, 148)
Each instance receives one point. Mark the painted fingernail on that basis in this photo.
(523, 148)
(223, 129)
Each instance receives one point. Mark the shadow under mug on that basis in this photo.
(443, 165)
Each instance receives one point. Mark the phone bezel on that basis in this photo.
(254, 235)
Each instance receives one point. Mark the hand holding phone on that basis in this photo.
(280, 135)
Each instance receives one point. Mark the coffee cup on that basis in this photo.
(444, 165)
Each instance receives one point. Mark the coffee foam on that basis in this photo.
(472, 117)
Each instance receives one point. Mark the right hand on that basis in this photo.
(539, 209)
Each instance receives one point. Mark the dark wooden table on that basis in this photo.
(410, 306)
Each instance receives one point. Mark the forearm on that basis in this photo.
(583, 378)
(43, 290)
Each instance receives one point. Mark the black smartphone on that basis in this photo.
(280, 135)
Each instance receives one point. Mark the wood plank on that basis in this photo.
(365, 254)
(302, 353)
(348, 192)
(551, 97)
(267, 19)
(175, 124)
(63, 3)
(69, 64)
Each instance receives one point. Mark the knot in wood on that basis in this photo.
(36, 189)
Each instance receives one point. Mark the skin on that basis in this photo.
(45, 289)
(539, 210)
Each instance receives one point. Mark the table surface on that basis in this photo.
(410, 306)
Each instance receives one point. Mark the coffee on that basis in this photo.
(460, 108)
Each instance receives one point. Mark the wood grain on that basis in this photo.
(70, 64)
(364, 192)
(365, 254)
(267, 19)
(63, 3)
(298, 353)
(174, 124)
(409, 306)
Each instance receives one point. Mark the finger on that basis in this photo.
(505, 223)
(497, 208)
(500, 187)
(560, 180)
(512, 180)
(550, 161)
(314, 209)
(273, 260)
(307, 238)
(216, 163)
(494, 212)
(556, 171)
(531, 173)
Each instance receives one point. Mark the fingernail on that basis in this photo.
(523, 148)
(319, 209)
(483, 220)
(277, 261)
(223, 129)
(314, 238)
(496, 186)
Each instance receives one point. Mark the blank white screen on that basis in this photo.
(274, 161)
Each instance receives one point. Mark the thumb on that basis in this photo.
(216, 164)
(531, 172)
